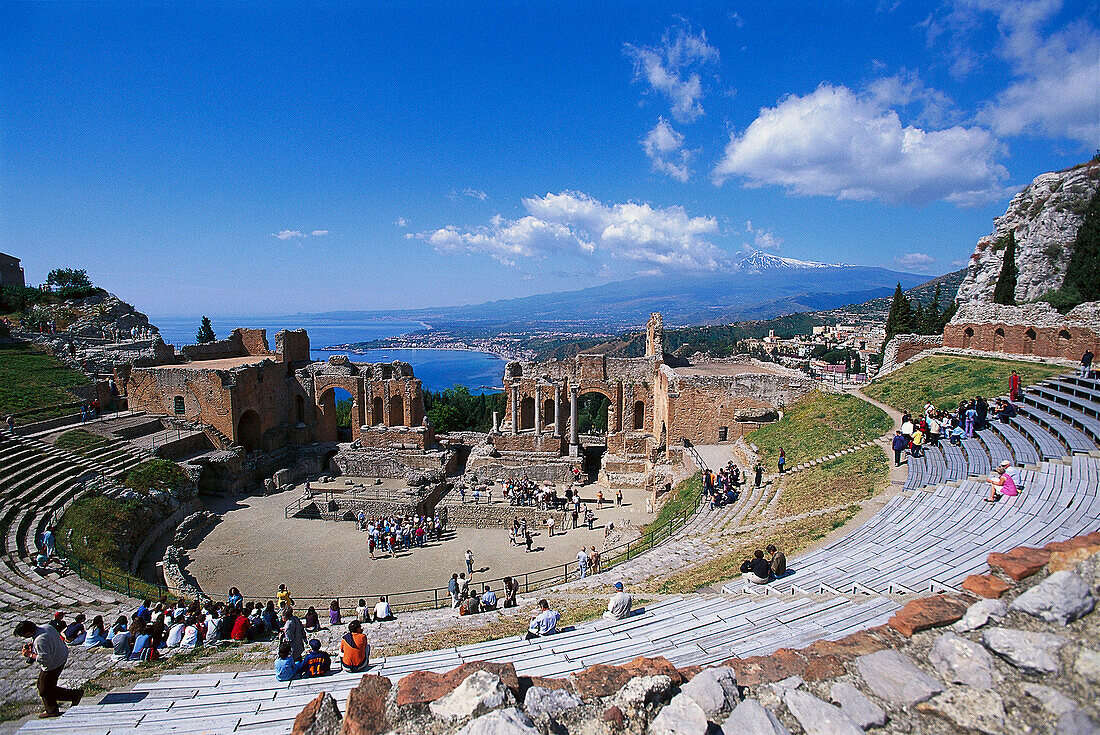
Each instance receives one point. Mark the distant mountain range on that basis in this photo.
(759, 286)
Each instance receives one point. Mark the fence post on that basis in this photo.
(128, 587)
(435, 603)
(526, 583)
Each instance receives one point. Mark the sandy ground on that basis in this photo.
(253, 547)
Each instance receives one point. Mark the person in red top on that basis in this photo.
(240, 627)
(1014, 386)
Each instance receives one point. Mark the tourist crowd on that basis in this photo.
(722, 487)
(390, 534)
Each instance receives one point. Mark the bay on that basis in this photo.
(437, 369)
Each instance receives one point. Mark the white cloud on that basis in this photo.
(401, 222)
(665, 148)
(1055, 87)
(915, 262)
(906, 90)
(671, 69)
(572, 223)
(298, 234)
(763, 239)
(833, 142)
(471, 193)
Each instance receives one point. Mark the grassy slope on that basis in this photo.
(848, 479)
(819, 424)
(684, 497)
(945, 380)
(30, 378)
(80, 441)
(791, 537)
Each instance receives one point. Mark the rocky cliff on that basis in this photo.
(1044, 218)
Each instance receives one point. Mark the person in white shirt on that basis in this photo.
(382, 610)
(582, 562)
(190, 636)
(175, 634)
(618, 607)
(212, 622)
(544, 623)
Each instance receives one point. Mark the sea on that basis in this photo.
(437, 369)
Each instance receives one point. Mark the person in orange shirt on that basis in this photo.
(354, 648)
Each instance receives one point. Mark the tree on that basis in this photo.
(1083, 273)
(67, 279)
(1005, 291)
(932, 314)
(857, 364)
(206, 331)
(899, 320)
(918, 318)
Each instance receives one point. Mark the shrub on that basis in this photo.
(156, 474)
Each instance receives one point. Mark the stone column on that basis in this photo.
(496, 422)
(574, 421)
(557, 410)
(538, 410)
(515, 410)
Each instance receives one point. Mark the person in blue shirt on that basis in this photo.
(316, 662)
(286, 666)
(235, 599)
(143, 611)
(489, 599)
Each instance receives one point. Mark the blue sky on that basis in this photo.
(232, 159)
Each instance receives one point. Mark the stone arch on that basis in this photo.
(1029, 341)
(1065, 342)
(594, 416)
(547, 411)
(999, 339)
(377, 411)
(968, 336)
(397, 411)
(249, 433)
(179, 406)
(639, 415)
(527, 413)
(327, 430)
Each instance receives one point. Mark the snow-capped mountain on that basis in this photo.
(757, 261)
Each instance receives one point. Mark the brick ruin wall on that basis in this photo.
(1032, 329)
(537, 467)
(905, 347)
(700, 406)
(240, 343)
(391, 463)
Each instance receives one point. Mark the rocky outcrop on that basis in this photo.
(1029, 668)
(1044, 218)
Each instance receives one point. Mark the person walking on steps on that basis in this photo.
(759, 469)
(51, 654)
(782, 460)
(899, 445)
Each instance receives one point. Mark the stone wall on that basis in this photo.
(390, 463)
(240, 343)
(905, 346)
(483, 515)
(1033, 329)
(536, 467)
(396, 437)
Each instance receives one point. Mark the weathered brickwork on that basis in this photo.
(1034, 329)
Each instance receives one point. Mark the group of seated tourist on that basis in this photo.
(927, 429)
(527, 492)
(760, 569)
(390, 534)
(469, 602)
(722, 487)
(297, 660)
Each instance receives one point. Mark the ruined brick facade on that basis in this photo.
(1033, 329)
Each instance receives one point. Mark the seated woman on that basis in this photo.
(1002, 481)
(175, 633)
(122, 644)
(286, 666)
(271, 619)
(97, 633)
(191, 638)
(234, 598)
(334, 612)
(312, 622)
(354, 649)
(362, 612)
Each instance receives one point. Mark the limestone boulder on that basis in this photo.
(1027, 650)
(1060, 598)
(478, 694)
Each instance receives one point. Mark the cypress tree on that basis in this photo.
(932, 315)
(899, 320)
(206, 331)
(1005, 291)
(1083, 273)
(918, 318)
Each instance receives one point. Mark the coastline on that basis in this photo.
(446, 348)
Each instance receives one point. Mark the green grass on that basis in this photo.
(946, 380)
(818, 424)
(156, 474)
(683, 499)
(31, 378)
(93, 531)
(849, 479)
(80, 441)
(790, 538)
